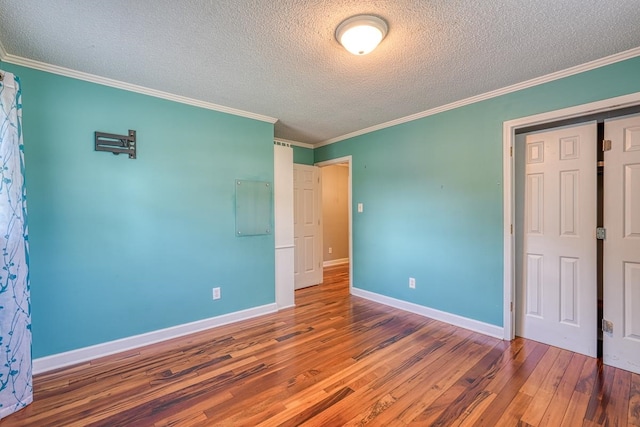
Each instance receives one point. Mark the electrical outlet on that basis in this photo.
(412, 283)
(216, 293)
(330, 250)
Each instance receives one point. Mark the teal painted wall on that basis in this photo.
(432, 193)
(121, 247)
(301, 155)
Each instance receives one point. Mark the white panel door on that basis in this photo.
(307, 233)
(621, 347)
(556, 295)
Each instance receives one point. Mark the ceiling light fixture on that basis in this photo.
(361, 34)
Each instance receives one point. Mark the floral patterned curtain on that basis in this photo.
(16, 390)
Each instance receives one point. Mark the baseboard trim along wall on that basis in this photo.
(452, 319)
(333, 262)
(61, 360)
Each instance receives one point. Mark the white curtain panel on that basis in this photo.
(16, 389)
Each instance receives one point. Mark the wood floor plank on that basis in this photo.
(513, 414)
(332, 360)
(536, 403)
(533, 383)
(556, 410)
(393, 380)
(436, 379)
(633, 417)
(547, 388)
(576, 409)
(601, 394)
(454, 401)
(427, 368)
(533, 354)
(353, 376)
(619, 412)
(474, 411)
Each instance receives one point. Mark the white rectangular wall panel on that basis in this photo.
(307, 176)
(632, 300)
(308, 200)
(297, 192)
(296, 255)
(569, 290)
(632, 200)
(569, 202)
(632, 138)
(534, 275)
(535, 152)
(535, 203)
(309, 246)
(283, 195)
(570, 148)
(283, 176)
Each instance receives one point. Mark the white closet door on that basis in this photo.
(621, 346)
(556, 297)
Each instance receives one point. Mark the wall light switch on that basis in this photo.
(360, 207)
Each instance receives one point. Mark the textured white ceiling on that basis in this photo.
(279, 58)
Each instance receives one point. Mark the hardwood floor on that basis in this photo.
(336, 360)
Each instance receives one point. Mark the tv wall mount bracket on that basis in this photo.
(117, 144)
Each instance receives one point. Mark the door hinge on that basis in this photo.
(606, 145)
(607, 326)
(601, 233)
(511, 228)
(511, 306)
(511, 151)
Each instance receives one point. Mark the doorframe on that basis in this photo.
(508, 167)
(348, 160)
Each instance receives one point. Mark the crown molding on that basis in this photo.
(79, 75)
(296, 143)
(607, 60)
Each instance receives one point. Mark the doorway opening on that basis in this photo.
(336, 216)
(621, 116)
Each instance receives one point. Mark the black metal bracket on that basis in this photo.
(117, 144)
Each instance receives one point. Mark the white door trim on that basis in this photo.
(348, 160)
(508, 135)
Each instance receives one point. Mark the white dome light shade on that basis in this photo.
(361, 34)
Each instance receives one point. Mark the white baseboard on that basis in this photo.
(60, 360)
(452, 319)
(333, 262)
